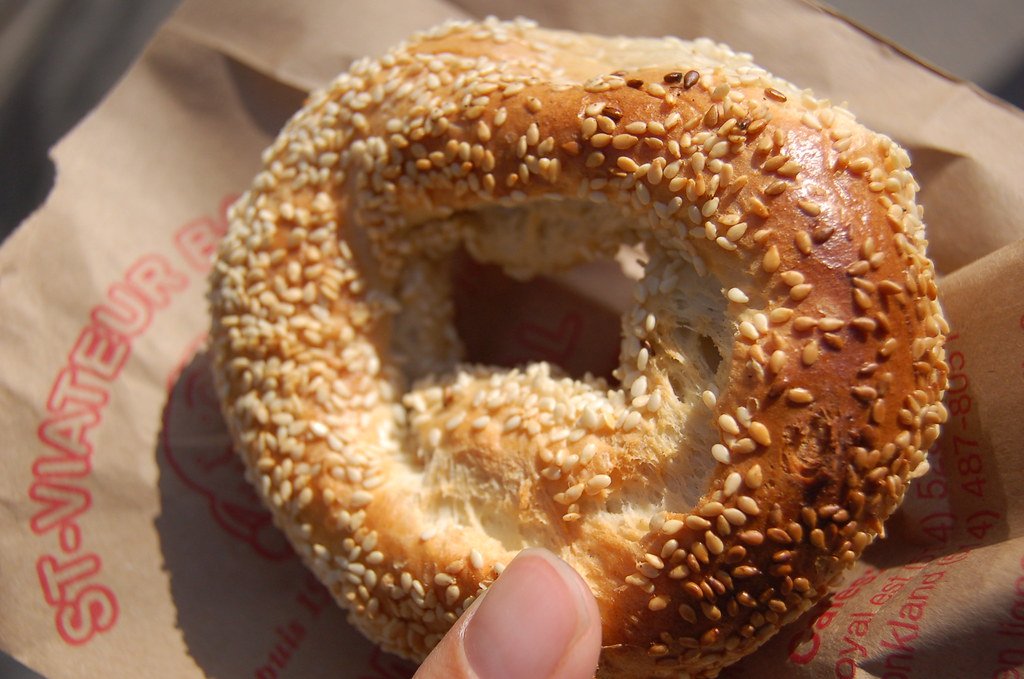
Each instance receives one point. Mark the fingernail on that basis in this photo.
(528, 620)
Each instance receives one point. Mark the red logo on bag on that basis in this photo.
(198, 447)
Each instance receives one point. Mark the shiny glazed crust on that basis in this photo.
(781, 369)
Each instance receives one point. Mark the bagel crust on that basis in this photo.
(781, 369)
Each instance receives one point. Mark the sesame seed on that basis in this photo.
(637, 580)
(760, 434)
(658, 603)
(694, 522)
(754, 477)
(809, 354)
(773, 93)
(731, 484)
(738, 296)
(744, 446)
(687, 613)
(799, 396)
(709, 398)
(598, 483)
(727, 423)
(748, 331)
(714, 543)
(721, 454)
(862, 299)
(672, 526)
(626, 163)
(803, 242)
(800, 292)
(860, 165)
(792, 278)
(810, 207)
(623, 141)
(455, 420)
(747, 505)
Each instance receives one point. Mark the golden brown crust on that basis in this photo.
(706, 505)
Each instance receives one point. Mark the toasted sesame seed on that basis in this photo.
(743, 572)
(690, 79)
(862, 299)
(751, 537)
(864, 393)
(810, 207)
(714, 543)
(734, 516)
(792, 278)
(743, 446)
(771, 260)
(799, 395)
(760, 434)
(624, 141)
(800, 292)
(628, 164)
(809, 354)
(773, 93)
(658, 603)
(748, 505)
(803, 242)
(687, 613)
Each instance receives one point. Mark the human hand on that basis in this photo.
(537, 621)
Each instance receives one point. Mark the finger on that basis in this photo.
(537, 621)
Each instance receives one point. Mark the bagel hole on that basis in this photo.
(570, 320)
(710, 353)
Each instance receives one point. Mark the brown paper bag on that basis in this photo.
(129, 543)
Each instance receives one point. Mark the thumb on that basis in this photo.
(537, 621)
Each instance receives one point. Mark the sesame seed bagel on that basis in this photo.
(781, 368)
